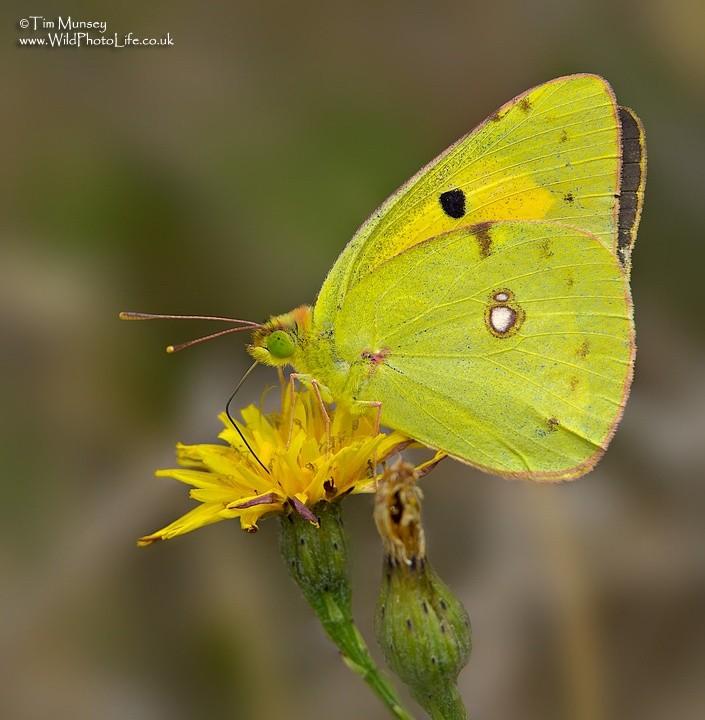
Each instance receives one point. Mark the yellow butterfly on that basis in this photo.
(484, 309)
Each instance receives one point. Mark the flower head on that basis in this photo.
(305, 463)
(422, 628)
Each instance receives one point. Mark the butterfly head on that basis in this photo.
(278, 341)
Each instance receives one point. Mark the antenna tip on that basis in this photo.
(170, 349)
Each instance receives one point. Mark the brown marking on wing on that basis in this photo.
(482, 232)
(546, 248)
(584, 350)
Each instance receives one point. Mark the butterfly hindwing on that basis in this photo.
(508, 345)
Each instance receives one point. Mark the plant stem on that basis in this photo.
(339, 626)
(317, 560)
(447, 707)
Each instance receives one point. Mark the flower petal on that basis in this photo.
(198, 517)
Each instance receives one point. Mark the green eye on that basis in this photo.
(280, 344)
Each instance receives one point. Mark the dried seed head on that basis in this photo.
(421, 626)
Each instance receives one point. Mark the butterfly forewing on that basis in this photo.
(632, 184)
(551, 153)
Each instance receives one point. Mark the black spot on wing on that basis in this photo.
(631, 185)
(453, 203)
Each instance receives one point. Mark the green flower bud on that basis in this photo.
(315, 551)
(421, 626)
(314, 547)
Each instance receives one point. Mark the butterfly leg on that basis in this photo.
(293, 377)
(377, 404)
(318, 390)
(324, 411)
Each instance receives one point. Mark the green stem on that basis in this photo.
(339, 626)
(447, 705)
(317, 560)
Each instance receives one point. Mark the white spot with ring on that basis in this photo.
(502, 318)
(501, 297)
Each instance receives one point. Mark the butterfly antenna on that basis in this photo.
(242, 325)
(235, 425)
(159, 316)
(205, 338)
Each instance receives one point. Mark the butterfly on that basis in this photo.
(484, 309)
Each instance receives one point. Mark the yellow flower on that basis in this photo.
(304, 464)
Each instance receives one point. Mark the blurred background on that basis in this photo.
(224, 175)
